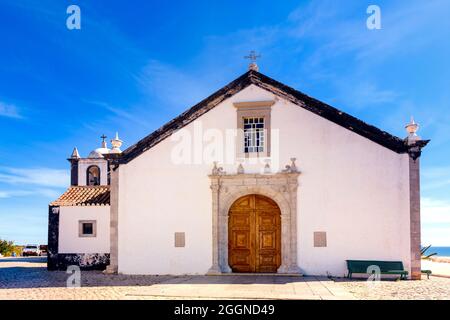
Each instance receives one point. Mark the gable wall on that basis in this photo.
(350, 187)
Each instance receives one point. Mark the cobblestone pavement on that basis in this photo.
(27, 278)
(435, 288)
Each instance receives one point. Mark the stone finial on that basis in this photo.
(412, 127)
(240, 169)
(116, 144)
(217, 171)
(291, 168)
(414, 143)
(253, 66)
(267, 167)
(75, 154)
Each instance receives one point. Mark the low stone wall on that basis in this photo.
(86, 261)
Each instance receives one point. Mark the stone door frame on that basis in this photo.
(280, 187)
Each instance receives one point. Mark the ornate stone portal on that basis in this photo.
(280, 187)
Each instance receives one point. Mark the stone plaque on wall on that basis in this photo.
(320, 239)
(179, 239)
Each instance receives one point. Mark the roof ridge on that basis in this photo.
(331, 113)
(186, 117)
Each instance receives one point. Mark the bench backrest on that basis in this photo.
(360, 266)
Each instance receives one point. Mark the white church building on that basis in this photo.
(256, 178)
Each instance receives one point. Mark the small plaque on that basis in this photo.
(320, 239)
(179, 239)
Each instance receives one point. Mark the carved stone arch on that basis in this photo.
(280, 187)
(267, 191)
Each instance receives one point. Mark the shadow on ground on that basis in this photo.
(24, 272)
(23, 259)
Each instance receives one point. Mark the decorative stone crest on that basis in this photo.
(292, 168)
(217, 171)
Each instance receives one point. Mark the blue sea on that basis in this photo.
(441, 251)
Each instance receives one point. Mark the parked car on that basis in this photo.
(43, 248)
(31, 250)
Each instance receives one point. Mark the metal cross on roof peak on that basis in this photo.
(252, 56)
(103, 137)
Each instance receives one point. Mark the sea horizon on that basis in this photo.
(440, 251)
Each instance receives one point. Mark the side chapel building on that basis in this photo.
(306, 187)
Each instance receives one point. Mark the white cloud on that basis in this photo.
(326, 21)
(435, 219)
(9, 110)
(436, 236)
(45, 177)
(363, 94)
(435, 211)
(435, 178)
(45, 192)
(121, 113)
(172, 86)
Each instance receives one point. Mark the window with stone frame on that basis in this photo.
(254, 128)
(253, 134)
(87, 228)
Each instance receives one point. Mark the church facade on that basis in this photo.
(256, 178)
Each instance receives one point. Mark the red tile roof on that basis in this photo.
(83, 196)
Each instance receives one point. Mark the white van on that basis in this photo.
(31, 250)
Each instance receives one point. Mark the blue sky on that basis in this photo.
(132, 67)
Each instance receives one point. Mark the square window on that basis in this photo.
(87, 228)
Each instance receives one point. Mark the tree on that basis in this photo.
(6, 247)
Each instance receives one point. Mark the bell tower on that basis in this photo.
(93, 170)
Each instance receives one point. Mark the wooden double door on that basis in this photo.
(254, 235)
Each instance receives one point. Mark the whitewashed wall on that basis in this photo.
(350, 187)
(69, 240)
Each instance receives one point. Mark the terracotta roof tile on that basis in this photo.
(84, 196)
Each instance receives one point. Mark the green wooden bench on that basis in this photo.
(386, 267)
(427, 272)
